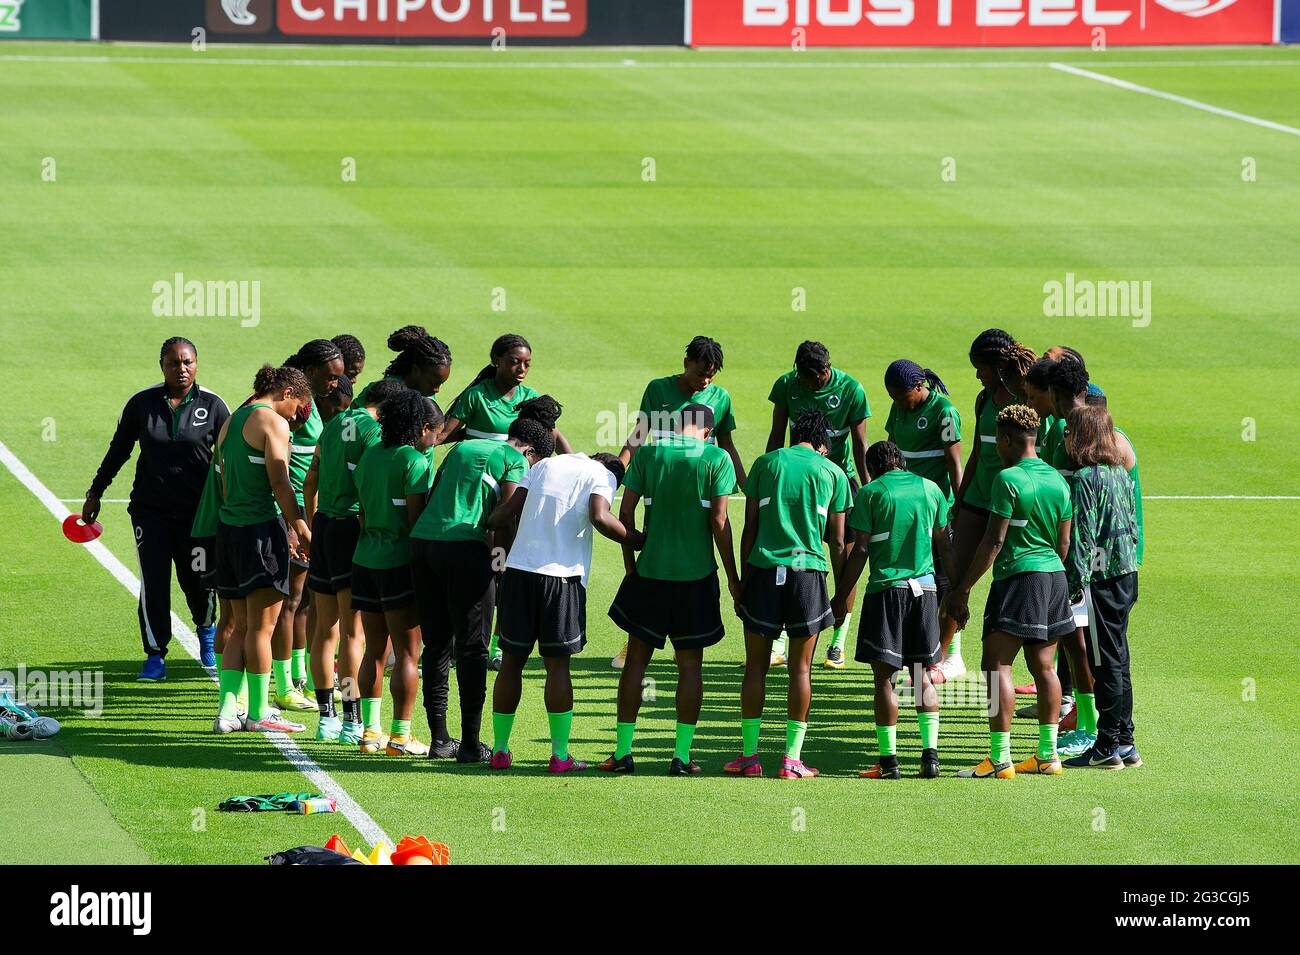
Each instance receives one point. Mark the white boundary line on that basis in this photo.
(1221, 497)
(370, 830)
(1173, 98)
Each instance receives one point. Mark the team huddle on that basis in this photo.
(326, 537)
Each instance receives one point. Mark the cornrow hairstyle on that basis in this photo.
(884, 456)
(344, 388)
(1018, 419)
(613, 465)
(534, 435)
(1072, 354)
(543, 409)
(705, 351)
(988, 346)
(173, 342)
(317, 352)
(382, 390)
(812, 358)
(906, 375)
(1015, 361)
(810, 426)
(503, 345)
(1069, 377)
(403, 417)
(270, 379)
(1040, 373)
(415, 347)
(354, 353)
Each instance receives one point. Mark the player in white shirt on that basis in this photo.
(542, 598)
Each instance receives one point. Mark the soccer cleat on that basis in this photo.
(777, 659)
(223, 725)
(328, 729)
(474, 753)
(619, 658)
(1097, 759)
(618, 764)
(444, 748)
(405, 746)
(294, 700)
(272, 722)
(1037, 766)
(153, 671)
(987, 769)
(350, 733)
(43, 727)
(1027, 689)
(1027, 712)
(937, 676)
(929, 764)
(744, 766)
(1075, 742)
(1069, 719)
(558, 765)
(834, 659)
(952, 666)
(15, 729)
(208, 646)
(372, 741)
(678, 768)
(795, 769)
(880, 772)
(494, 663)
(504, 759)
(1130, 755)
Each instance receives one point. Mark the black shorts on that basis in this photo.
(294, 561)
(655, 611)
(375, 590)
(456, 589)
(1033, 606)
(899, 628)
(333, 542)
(799, 604)
(208, 573)
(538, 608)
(252, 557)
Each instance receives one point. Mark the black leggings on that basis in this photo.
(160, 544)
(1109, 604)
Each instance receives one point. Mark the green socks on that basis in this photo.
(228, 684)
(502, 724)
(1087, 719)
(370, 710)
(749, 730)
(283, 682)
(561, 725)
(794, 734)
(257, 685)
(1047, 740)
(929, 730)
(841, 633)
(685, 737)
(399, 728)
(492, 645)
(954, 648)
(999, 746)
(887, 740)
(624, 745)
(298, 659)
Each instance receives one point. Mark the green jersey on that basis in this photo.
(486, 412)
(678, 477)
(1103, 537)
(248, 498)
(1036, 499)
(1137, 494)
(662, 401)
(797, 490)
(899, 511)
(841, 399)
(466, 489)
(987, 464)
(384, 478)
(1051, 446)
(205, 517)
(924, 435)
(343, 441)
(302, 446)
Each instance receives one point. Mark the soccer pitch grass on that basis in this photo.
(522, 171)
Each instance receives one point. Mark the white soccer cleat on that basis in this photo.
(619, 658)
(952, 666)
(223, 725)
(272, 722)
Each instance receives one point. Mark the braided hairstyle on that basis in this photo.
(403, 418)
(354, 353)
(174, 341)
(543, 409)
(317, 352)
(705, 351)
(1069, 378)
(811, 426)
(905, 375)
(270, 379)
(533, 434)
(988, 346)
(812, 358)
(415, 347)
(1019, 420)
(884, 456)
(1040, 374)
(503, 345)
(1014, 363)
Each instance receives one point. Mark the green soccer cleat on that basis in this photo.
(294, 700)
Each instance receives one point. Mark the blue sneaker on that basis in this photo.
(207, 646)
(153, 671)
(1096, 759)
(1130, 755)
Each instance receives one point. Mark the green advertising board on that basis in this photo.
(49, 19)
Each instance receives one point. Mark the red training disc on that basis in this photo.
(80, 533)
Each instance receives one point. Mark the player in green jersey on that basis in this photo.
(900, 520)
(253, 545)
(423, 362)
(814, 383)
(354, 356)
(795, 502)
(204, 532)
(392, 480)
(671, 590)
(1028, 606)
(663, 400)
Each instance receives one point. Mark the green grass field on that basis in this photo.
(522, 171)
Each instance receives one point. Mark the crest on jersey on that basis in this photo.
(200, 414)
(922, 423)
(833, 401)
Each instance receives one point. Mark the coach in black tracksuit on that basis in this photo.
(176, 424)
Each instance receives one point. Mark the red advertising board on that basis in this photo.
(432, 18)
(977, 22)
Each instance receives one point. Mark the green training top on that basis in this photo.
(249, 499)
(302, 446)
(486, 412)
(384, 477)
(663, 399)
(900, 512)
(205, 517)
(842, 400)
(987, 464)
(678, 477)
(1037, 500)
(923, 434)
(466, 488)
(1051, 446)
(797, 489)
(344, 440)
(1137, 494)
(1103, 537)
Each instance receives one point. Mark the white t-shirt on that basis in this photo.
(555, 532)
